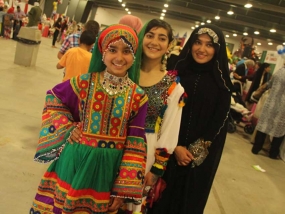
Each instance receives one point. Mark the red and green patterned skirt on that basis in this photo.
(80, 181)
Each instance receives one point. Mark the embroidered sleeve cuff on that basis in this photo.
(161, 159)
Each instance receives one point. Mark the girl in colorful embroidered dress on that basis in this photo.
(165, 104)
(108, 165)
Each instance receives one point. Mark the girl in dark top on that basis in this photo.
(203, 69)
(57, 26)
(260, 77)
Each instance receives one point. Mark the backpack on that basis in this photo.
(7, 20)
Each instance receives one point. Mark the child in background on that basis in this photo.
(76, 60)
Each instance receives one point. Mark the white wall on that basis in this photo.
(108, 16)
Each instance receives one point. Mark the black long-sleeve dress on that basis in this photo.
(205, 115)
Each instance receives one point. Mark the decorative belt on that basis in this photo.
(101, 142)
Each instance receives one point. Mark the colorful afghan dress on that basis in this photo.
(163, 121)
(165, 102)
(110, 159)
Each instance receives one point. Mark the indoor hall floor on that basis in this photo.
(238, 188)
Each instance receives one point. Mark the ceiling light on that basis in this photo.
(119, 0)
(202, 23)
(272, 30)
(217, 17)
(209, 21)
(248, 5)
(162, 14)
(270, 43)
(126, 9)
(283, 43)
(245, 33)
(258, 43)
(196, 25)
(161, 17)
(227, 36)
(164, 11)
(256, 32)
(123, 5)
(192, 28)
(165, 5)
(234, 34)
(129, 12)
(230, 12)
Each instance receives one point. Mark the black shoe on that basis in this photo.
(254, 151)
(273, 157)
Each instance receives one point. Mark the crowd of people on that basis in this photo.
(12, 20)
(132, 128)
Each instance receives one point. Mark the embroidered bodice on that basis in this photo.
(157, 97)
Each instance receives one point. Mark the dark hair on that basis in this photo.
(92, 26)
(18, 7)
(263, 66)
(258, 63)
(157, 23)
(87, 37)
(1, 8)
(59, 20)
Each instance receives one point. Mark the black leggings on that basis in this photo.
(55, 34)
(275, 144)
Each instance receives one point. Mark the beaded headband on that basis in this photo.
(115, 33)
(210, 32)
(114, 42)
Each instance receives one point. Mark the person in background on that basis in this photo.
(16, 29)
(272, 118)
(8, 23)
(132, 21)
(241, 72)
(71, 28)
(203, 70)
(57, 26)
(107, 167)
(260, 77)
(19, 15)
(34, 15)
(2, 13)
(76, 60)
(62, 29)
(72, 40)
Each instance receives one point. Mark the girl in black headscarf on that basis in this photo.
(203, 69)
(261, 76)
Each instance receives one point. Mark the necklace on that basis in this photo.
(115, 85)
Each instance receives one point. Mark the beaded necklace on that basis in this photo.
(115, 85)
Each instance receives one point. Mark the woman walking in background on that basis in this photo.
(57, 26)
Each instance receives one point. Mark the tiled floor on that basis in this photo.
(237, 189)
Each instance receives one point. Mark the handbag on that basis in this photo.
(155, 192)
(199, 149)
